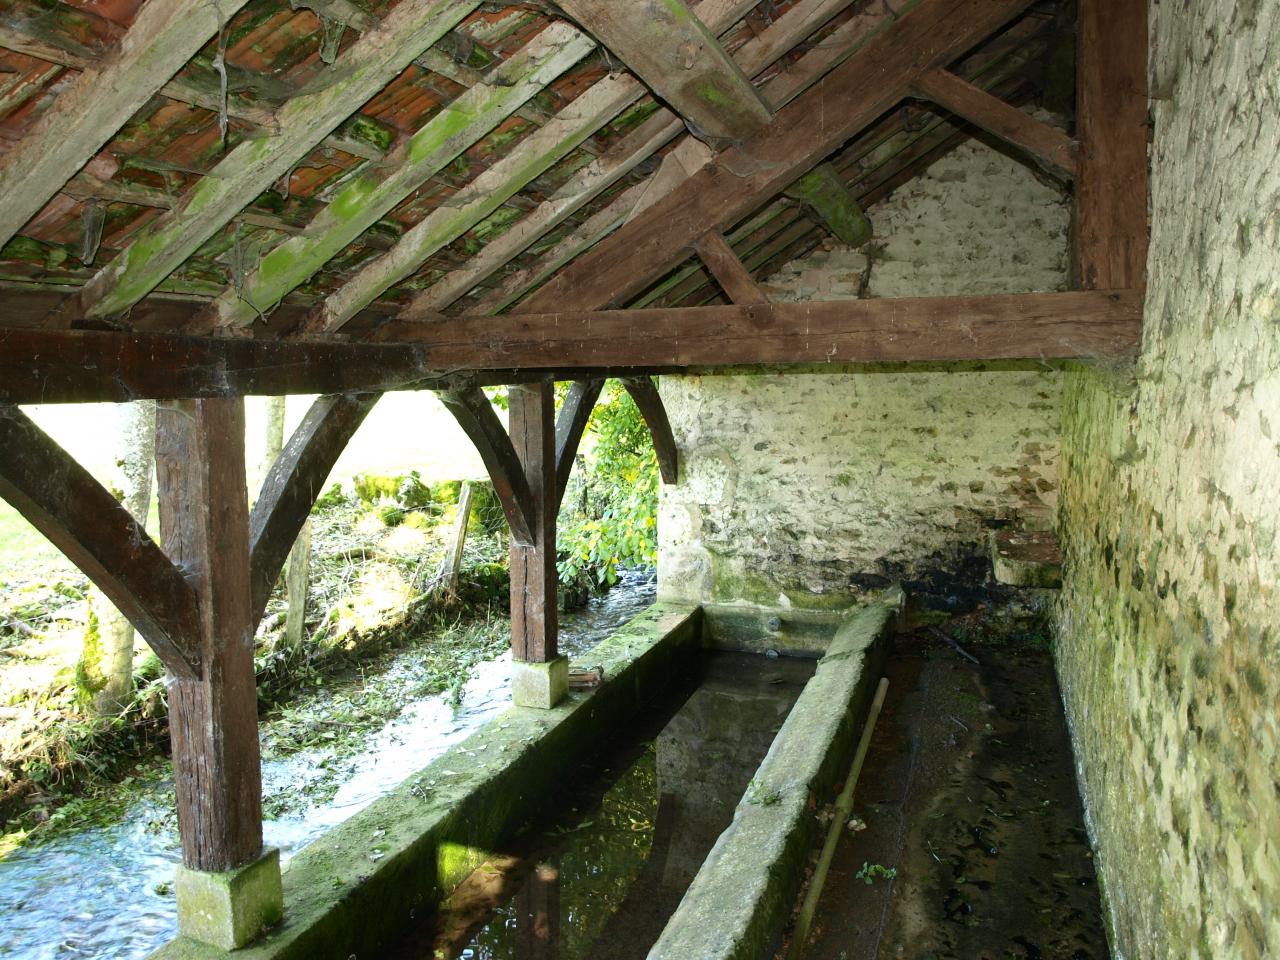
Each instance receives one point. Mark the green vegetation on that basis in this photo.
(870, 871)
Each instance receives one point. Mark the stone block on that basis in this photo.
(228, 909)
(540, 685)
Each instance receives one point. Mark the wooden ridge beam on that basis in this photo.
(254, 165)
(645, 393)
(364, 200)
(740, 179)
(575, 411)
(528, 160)
(294, 482)
(679, 58)
(663, 126)
(165, 35)
(82, 519)
(734, 279)
(474, 413)
(1048, 146)
(1005, 326)
(1111, 121)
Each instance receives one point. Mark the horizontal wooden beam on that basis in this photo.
(1009, 326)
(69, 366)
(1050, 146)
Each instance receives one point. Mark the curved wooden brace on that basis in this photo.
(83, 520)
(474, 413)
(295, 481)
(571, 422)
(646, 396)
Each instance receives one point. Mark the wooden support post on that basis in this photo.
(452, 567)
(213, 720)
(533, 566)
(1111, 106)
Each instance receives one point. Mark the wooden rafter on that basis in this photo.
(474, 413)
(255, 165)
(753, 57)
(82, 519)
(166, 34)
(365, 199)
(532, 157)
(879, 75)
(1049, 146)
(738, 284)
(294, 482)
(679, 58)
(778, 91)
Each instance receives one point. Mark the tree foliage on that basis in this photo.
(609, 515)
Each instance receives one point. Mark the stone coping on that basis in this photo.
(354, 889)
(748, 884)
(752, 628)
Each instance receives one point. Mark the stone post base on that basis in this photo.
(540, 685)
(229, 909)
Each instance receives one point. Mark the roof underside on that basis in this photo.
(544, 147)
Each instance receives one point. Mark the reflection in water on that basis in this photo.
(606, 878)
(103, 892)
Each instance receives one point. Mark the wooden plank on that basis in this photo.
(734, 280)
(742, 178)
(575, 411)
(82, 519)
(753, 57)
(474, 413)
(253, 166)
(1049, 146)
(674, 53)
(365, 199)
(85, 115)
(645, 393)
(213, 721)
(1111, 122)
(534, 617)
(1006, 326)
(294, 482)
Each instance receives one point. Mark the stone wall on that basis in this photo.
(809, 489)
(1169, 650)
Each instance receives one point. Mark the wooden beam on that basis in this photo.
(1006, 326)
(532, 157)
(932, 34)
(1111, 122)
(1048, 146)
(367, 198)
(778, 91)
(165, 35)
(82, 519)
(534, 617)
(213, 721)
(295, 481)
(675, 54)
(474, 413)
(830, 200)
(575, 411)
(253, 166)
(733, 277)
(645, 393)
(753, 57)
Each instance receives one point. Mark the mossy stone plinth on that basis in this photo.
(540, 685)
(228, 909)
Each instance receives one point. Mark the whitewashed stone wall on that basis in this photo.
(809, 489)
(1169, 642)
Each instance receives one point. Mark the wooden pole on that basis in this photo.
(533, 567)
(213, 719)
(453, 559)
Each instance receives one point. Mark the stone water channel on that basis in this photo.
(103, 891)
